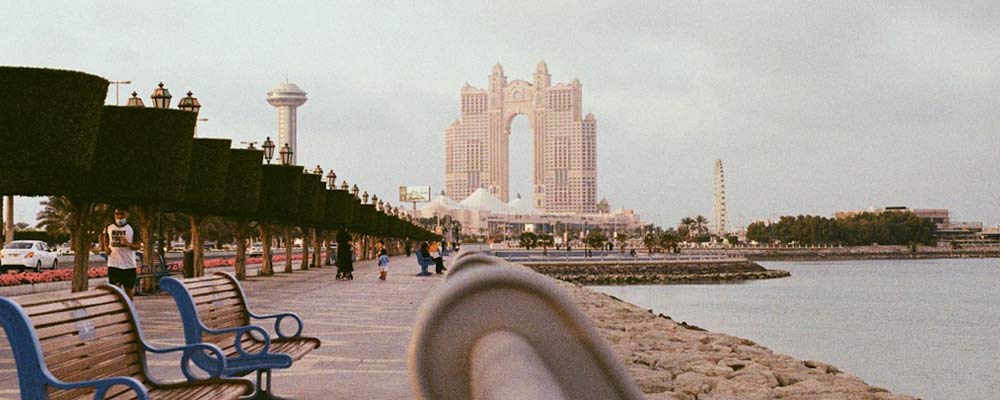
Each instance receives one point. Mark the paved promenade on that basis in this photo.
(364, 325)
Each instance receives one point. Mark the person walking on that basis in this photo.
(408, 247)
(119, 241)
(345, 256)
(383, 264)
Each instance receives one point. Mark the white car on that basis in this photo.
(25, 254)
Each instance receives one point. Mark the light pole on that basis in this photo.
(117, 86)
(268, 149)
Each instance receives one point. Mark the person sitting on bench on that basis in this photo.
(426, 251)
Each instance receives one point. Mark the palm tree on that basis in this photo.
(545, 240)
(700, 223)
(58, 217)
(688, 223)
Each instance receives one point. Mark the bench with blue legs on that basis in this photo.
(90, 345)
(214, 310)
(424, 262)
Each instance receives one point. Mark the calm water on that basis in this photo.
(929, 328)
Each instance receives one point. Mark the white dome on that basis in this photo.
(482, 200)
(522, 206)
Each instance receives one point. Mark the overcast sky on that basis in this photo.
(812, 106)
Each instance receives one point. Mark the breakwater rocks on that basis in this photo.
(682, 362)
(654, 271)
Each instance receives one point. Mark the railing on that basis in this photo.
(575, 256)
(496, 331)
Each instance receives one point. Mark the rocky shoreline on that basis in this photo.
(683, 362)
(654, 272)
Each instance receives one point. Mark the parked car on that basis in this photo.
(25, 254)
(257, 250)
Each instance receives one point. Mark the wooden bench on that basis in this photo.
(90, 345)
(214, 310)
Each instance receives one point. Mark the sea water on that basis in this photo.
(928, 328)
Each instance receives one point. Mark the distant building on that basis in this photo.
(287, 97)
(482, 214)
(603, 207)
(941, 217)
(564, 155)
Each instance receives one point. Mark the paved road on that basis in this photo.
(364, 324)
(66, 262)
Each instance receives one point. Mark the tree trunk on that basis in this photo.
(304, 265)
(330, 237)
(267, 266)
(317, 238)
(8, 220)
(81, 245)
(146, 215)
(288, 249)
(241, 250)
(197, 245)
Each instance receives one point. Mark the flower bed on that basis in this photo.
(27, 278)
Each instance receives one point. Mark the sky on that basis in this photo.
(813, 106)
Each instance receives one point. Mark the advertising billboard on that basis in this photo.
(414, 194)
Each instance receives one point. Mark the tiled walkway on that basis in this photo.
(364, 325)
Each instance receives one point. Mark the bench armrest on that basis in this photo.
(240, 331)
(189, 351)
(277, 323)
(101, 386)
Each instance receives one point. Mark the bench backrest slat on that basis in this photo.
(218, 303)
(81, 336)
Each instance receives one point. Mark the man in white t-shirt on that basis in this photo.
(120, 240)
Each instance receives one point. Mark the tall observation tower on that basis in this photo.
(719, 207)
(287, 97)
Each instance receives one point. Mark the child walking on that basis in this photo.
(383, 264)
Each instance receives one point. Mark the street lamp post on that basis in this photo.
(161, 97)
(286, 154)
(191, 104)
(117, 87)
(135, 101)
(268, 149)
(331, 180)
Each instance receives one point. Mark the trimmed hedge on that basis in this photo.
(308, 192)
(355, 211)
(48, 128)
(365, 223)
(243, 183)
(279, 192)
(209, 170)
(339, 208)
(142, 156)
(318, 219)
